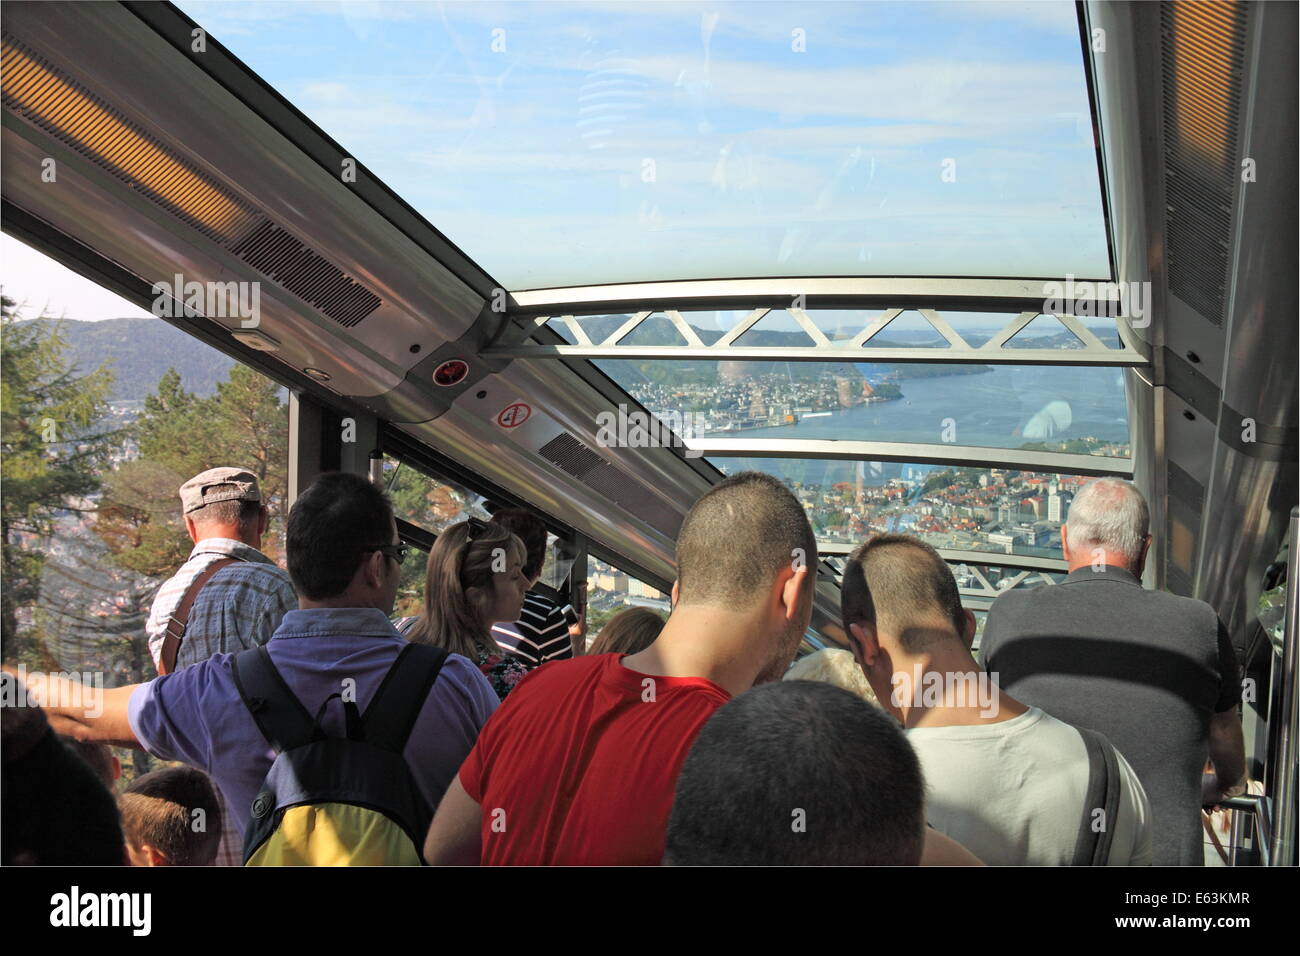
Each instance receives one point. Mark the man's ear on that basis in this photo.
(191, 529)
(1142, 557)
(792, 591)
(374, 569)
(676, 593)
(968, 628)
(864, 643)
(1065, 542)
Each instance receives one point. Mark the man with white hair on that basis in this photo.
(1153, 672)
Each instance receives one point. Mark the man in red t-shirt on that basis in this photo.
(579, 764)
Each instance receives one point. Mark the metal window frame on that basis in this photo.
(517, 336)
(1027, 567)
(974, 456)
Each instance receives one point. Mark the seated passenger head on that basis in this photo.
(336, 531)
(54, 810)
(171, 817)
(224, 503)
(831, 665)
(99, 757)
(628, 632)
(532, 532)
(474, 579)
(802, 773)
(898, 598)
(1108, 524)
(746, 548)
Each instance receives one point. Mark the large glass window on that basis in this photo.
(430, 503)
(1079, 409)
(574, 144)
(611, 590)
(106, 413)
(967, 509)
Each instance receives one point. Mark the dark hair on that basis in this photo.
(159, 809)
(798, 773)
(98, 757)
(531, 531)
(900, 582)
(236, 512)
(54, 811)
(628, 632)
(330, 527)
(738, 537)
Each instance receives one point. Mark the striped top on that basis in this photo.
(239, 607)
(541, 634)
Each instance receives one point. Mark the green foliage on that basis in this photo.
(964, 477)
(430, 504)
(1073, 446)
(52, 454)
(180, 434)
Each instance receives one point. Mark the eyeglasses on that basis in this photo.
(476, 527)
(397, 552)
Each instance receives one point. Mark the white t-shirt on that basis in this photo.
(1013, 792)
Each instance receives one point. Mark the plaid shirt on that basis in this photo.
(240, 607)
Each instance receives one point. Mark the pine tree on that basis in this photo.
(54, 449)
(181, 434)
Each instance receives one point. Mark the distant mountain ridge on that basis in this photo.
(140, 351)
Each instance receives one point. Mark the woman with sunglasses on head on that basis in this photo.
(474, 579)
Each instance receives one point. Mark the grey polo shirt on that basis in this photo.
(1145, 668)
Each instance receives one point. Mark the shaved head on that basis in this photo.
(903, 586)
(738, 538)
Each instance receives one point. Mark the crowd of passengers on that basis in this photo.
(307, 727)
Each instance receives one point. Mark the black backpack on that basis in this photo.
(338, 801)
(1092, 847)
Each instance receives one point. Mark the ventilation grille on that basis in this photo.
(1186, 488)
(1203, 48)
(574, 458)
(281, 256)
(1185, 501)
(59, 105)
(571, 456)
(53, 101)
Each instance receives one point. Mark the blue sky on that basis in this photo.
(765, 160)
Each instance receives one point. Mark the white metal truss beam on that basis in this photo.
(516, 342)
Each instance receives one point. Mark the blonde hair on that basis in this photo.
(834, 666)
(462, 558)
(628, 632)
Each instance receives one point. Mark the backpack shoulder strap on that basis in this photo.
(280, 716)
(175, 631)
(1092, 847)
(397, 703)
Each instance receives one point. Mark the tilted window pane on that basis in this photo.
(575, 144)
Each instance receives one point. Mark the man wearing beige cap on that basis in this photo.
(228, 595)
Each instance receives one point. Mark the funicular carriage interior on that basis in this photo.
(1132, 313)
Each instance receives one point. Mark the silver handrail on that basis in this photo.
(1259, 807)
(1283, 720)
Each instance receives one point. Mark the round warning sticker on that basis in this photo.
(512, 416)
